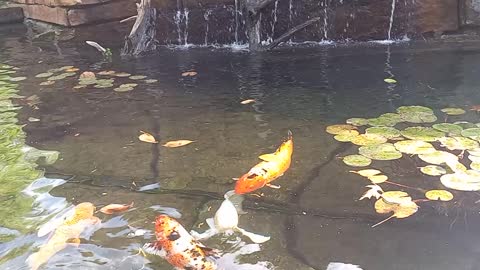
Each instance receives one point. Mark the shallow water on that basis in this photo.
(315, 218)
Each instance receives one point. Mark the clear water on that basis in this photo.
(315, 218)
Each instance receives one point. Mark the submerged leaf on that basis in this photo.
(115, 208)
(147, 137)
(357, 161)
(453, 111)
(177, 143)
(439, 195)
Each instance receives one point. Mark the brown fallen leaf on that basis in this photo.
(248, 101)
(177, 143)
(115, 208)
(87, 75)
(147, 137)
(189, 74)
(74, 69)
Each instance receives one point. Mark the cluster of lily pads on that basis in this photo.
(450, 151)
(102, 79)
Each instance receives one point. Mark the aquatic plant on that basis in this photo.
(451, 152)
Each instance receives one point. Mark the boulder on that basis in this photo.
(11, 15)
(471, 12)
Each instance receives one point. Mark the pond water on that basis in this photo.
(314, 218)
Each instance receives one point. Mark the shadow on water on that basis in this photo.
(314, 219)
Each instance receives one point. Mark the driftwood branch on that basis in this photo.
(254, 6)
(289, 33)
(142, 36)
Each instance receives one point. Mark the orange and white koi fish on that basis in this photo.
(67, 233)
(273, 166)
(178, 247)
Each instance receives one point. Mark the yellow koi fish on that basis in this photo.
(273, 166)
(67, 233)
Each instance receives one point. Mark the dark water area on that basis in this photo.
(313, 219)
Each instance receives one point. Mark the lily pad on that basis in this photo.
(453, 111)
(438, 157)
(101, 86)
(106, 72)
(448, 128)
(378, 179)
(137, 77)
(422, 134)
(154, 81)
(390, 80)
(17, 79)
(465, 125)
(44, 75)
(414, 109)
(357, 121)
(384, 151)
(346, 135)
(439, 195)
(414, 147)
(337, 129)
(80, 86)
(387, 132)
(419, 117)
(47, 83)
(368, 139)
(123, 74)
(458, 143)
(433, 170)
(87, 81)
(357, 161)
(125, 89)
(402, 210)
(382, 122)
(463, 181)
(367, 172)
(472, 133)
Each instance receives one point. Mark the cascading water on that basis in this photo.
(274, 22)
(325, 20)
(207, 18)
(181, 20)
(391, 20)
(237, 22)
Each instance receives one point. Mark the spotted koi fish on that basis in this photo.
(178, 247)
(67, 233)
(272, 167)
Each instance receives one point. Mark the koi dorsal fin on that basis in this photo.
(209, 252)
(267, 157)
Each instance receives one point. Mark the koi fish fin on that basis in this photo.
(208, 233)
(267, 157)
(154, 249)
(256, 238)
(236, 200)
(209, 252)
(74, 242)
(273, 186)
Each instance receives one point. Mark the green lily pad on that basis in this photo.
(419, 117)
(472, 133)
(368, 139)
(101, 86)
(122, 74)
(384, 151)
(463, 181)
(422, 134)
(414, 147)
(127, 89)
(44, 75)
(465, 125)
(382, 122)
(390, 80)
(47, 83)
(87, 81)
(17, 79)
(337, 129)
(154, 81)
(105, 81)
(387, 132)
(345, 136)
(433, 170)
(453, 111)
(80, 86)
(357, 161)
(65, 68)
(414, 109)
(439, 157)
(448, 128)
(57, 77)
(137, 77)
(458, 143)
(357, 121)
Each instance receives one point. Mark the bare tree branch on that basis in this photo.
(290, 32)
(142, 37)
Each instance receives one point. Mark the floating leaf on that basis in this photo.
(103, 85)
(115, 208)
(472, 133)
(419, 117)
(384, 151)
(17, 79)
(453, 111)
(346, 135)
(465, 125)
(414, 109)
(387, 132)
(123, 89)
(44, 75)
(367, 172)
(475, 166)
(106, 72)
(150, 81)
(357, 161)
(378, 179)
(455, 165)
(189, 74)
(33, 119)
(137, 77)
(414, 147)
(357, 121)
(448, 128)
(463, 181)
(177, 143)
(433, 170)
(422, 133)
(337, 129)
(247, 101)
(368, 139)
(397, 197)
(382, 122)
(458, 143)
(47, 83)
(147, 137)
(65, 68)
(439, 195)
(73, 69)
(402, 210)
(390, 80)
(87, 81)
(438, 157)
(123, 74)
(374, 191)
(79, 86)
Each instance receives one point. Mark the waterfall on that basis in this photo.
(185, 30)
(236, 22)
(274, 22)
(325, 20)
(181, 17)
(207, 18)
(391, 21)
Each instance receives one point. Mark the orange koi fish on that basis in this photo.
(273, 166)
(67, 233)
(178, 247)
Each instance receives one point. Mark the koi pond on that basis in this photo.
(384, 172)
